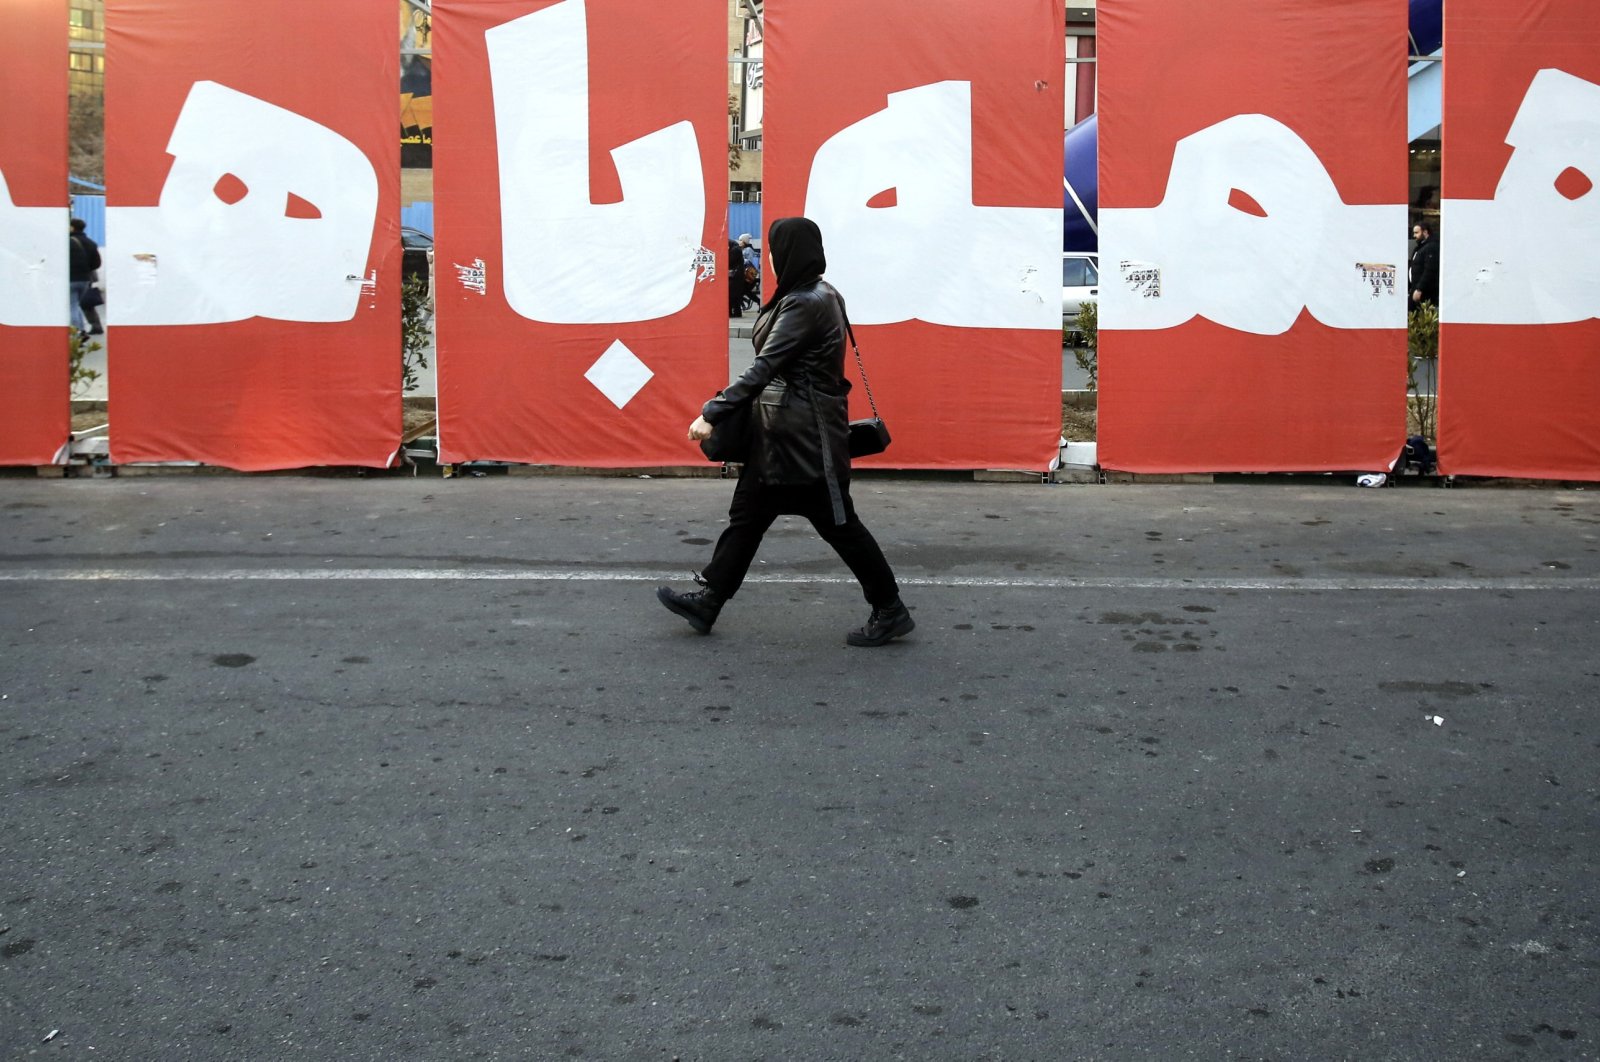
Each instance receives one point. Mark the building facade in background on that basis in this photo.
(86, 26)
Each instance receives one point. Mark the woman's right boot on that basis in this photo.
(699, 607)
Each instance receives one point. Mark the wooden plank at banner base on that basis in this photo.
(34, 278)
(933, 171)
(1519, 339)
(1252, 234)
(581, 180)
(253, 262)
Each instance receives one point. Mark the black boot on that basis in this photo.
(699, 607)
(884, 625)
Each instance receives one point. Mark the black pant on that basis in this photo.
(755, 505)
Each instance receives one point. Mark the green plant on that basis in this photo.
(1089, 331)
(77, 349)
(1422, 347)
(416, 326)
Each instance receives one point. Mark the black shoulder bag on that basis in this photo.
(729, 440)
(871, 435)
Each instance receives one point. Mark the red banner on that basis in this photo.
(1519, 361)
(253, 251)
(33, 234)
(923, 138)
(1253, 235)
(581, 176)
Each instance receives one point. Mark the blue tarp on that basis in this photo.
(92, 209)
(418, 215)
(743, 218)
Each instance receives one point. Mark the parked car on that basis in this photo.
(1080, 283)
(416, 255)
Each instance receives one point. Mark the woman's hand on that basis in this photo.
(700, 429)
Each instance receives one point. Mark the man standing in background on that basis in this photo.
(1423, 275)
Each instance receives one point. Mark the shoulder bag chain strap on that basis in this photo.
(861, 366)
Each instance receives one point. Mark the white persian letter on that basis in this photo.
(1529, 255)
(932, 256)
(265, 213)
(1252, 263)
(567, 259)
(33, 263)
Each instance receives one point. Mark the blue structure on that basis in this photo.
(419, 216)
(92, 209)
(745, 217)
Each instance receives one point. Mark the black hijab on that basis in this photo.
(796, 248)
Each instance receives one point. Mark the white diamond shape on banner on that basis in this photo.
(619, 374)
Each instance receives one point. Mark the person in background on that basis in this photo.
(752, 264)
(84, 261)
(736, 286)
(1423, 272)
(799, 461)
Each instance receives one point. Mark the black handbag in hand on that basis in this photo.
(870, 435)
(730, 437)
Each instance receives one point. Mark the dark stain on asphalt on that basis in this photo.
(697, 542)
(1442, 689)
(928, 1011)
(169, 887)
(233, 660)
(161, 843)
(73, 775)
(761, 1021)
(1378, 866)
(1565, 1034)
(962, 903)
(18, 947)
(355, 660)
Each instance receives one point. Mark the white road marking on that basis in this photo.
(1277, 584)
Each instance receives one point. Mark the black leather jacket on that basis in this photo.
(802, 433)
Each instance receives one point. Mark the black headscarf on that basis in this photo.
(796, 248)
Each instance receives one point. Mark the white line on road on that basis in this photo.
(604, 575)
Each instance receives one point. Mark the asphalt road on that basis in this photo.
(392, 768)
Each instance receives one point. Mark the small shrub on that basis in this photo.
(77, 349)
(1086, 355)
(1422, 347)
(416, 324)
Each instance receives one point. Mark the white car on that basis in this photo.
(1080, 283)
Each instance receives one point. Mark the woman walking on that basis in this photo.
(799, 461)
